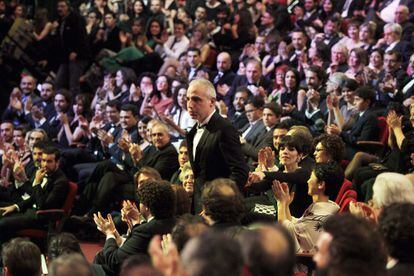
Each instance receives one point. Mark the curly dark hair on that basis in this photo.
(333, 145)
(397, 230)
(333, 176)
(356, 247)
(158, 196)
(222, 201)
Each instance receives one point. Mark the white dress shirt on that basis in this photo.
(199, 133)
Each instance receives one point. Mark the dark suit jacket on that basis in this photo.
(164, 160)
(406, 49)
(136, 243)
(51, 196)
(242, 81)
(227, 78)
(117, 155)
(265, 139)
(239, 120)
(11, 194)
(218, 154)
(364, 129)
(383, 98)
(255, 132)
(73, 38)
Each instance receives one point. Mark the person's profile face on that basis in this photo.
(199, 104)
(321, 257)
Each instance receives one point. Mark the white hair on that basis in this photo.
(395, 28)
(210, 90)
(392, 188)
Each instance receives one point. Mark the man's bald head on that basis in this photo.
(223, 62)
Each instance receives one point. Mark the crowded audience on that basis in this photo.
(198, 137)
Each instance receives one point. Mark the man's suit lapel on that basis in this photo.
(206, 134)
(190, 143)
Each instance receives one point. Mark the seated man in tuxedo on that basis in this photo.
(365, 127)
(238, 116)
(23, 175)
(224, 76)
(115, 172)
(50, 189)
(154, 217)
(161, 155)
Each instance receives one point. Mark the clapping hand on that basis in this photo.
(106, 226)
(266, 158)
(165, 256)
(333, 129)
(105, 137)
(130, 213)
(281, 192)
(124, 142)
(393, 120)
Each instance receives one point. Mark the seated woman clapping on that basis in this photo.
(323, 185)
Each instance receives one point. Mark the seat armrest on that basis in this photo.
(374, 147)
(50, 214)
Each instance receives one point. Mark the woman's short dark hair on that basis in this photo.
(333, 176)
(158, 196)
(333, 145)
(351, 84)
(292, 141)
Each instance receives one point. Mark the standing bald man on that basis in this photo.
(213, 144)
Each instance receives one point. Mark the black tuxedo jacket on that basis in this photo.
(136, 243)
(218, 154)
(51, 196)
(164, 160)
(227, 78)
